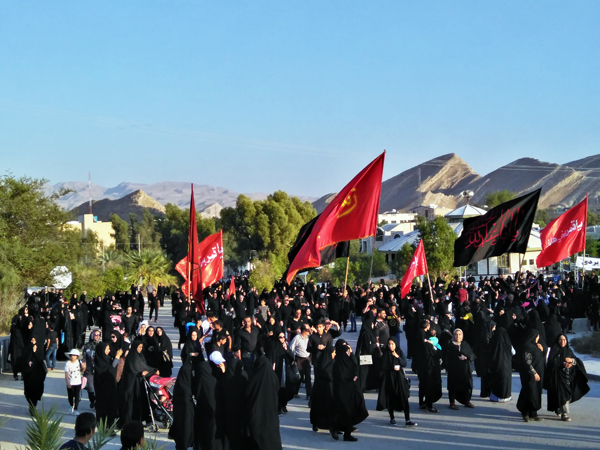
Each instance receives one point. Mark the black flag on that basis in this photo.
(328, 254)
(503, 229)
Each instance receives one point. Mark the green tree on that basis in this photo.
(121, 233)
(493, 199)
(151, 266)
(267, 228)
(542, 217)
(401, 260)
(438, 239)
(34, 238)
(173, 228)
(592, 218)
(263, 274)
(591, 247)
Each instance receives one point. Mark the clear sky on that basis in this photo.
(295, 95)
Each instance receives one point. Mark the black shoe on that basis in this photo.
(433, 409)
(525, 417)
(350, 438)
(315, 428)
(280, 412)
(334, 434)
(410, 423)
(284, 409)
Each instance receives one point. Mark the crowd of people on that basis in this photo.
(249, 353)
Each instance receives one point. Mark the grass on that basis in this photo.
(588, 344)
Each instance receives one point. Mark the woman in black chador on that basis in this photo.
(348, 399)
(282, 359)
(166, 353)
(531, 359)
(261, 407)
(394, 390)
(321, 410)
(133, 405)
(31, 365)
(500, 366)
(566, 379)
(105, 382)
(457, 359)
(368, 376)
(182, 430)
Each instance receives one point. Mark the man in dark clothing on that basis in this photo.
(85, 427)
(132, 435)
(247, 340)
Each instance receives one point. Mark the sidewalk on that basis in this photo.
(592, 365)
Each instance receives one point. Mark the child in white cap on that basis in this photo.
(73, 370)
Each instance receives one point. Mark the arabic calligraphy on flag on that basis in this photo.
(503, 229)
(564, 236)
(210, 259)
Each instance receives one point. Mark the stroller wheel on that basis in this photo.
(167, 424)
(153, 428)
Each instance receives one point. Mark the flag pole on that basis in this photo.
(430, 289)
(372, 254)
(585, 241)
(346, 279)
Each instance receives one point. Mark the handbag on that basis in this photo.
(295, 370)
(365, 360)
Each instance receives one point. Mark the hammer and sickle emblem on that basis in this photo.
(348, 205)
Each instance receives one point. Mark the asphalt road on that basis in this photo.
(489, 425)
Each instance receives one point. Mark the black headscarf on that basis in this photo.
(262, 405)
(182, 430)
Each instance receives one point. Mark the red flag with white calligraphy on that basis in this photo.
(352, 214)
(564, 236)
(210, 259)
(417, 266)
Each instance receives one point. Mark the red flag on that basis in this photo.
(418, 266)
(232, 287)
(210, 259)
(352, 214)
(564, 236)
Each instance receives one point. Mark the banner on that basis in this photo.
(352, 214)
(503, 229)
(417, 266)
(564, 236)
(590, 263)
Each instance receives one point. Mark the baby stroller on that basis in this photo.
(159, 392)
(115, 320)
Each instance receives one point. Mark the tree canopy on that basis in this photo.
(493, 199)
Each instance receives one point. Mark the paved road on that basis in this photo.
(489, 425)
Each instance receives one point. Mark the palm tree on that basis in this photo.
(152, 266)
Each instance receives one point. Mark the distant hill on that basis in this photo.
(437, 181)
(134, 202)
(440, 181)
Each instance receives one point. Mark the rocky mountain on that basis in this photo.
(134, 202)
(164, 192)
(441, 180)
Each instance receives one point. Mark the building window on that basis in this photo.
(503, 261)
(531, 262)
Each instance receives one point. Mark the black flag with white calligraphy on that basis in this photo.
(503, 229)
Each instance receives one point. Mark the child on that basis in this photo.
(434, 340)
(73, 370)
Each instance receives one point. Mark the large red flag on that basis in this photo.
(564, 236)
(352, 214)
(210, 258)
(418, 266)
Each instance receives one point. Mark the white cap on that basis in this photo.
(216, 358)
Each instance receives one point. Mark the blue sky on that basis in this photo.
(292, 95)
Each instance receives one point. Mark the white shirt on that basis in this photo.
(73, 371)
(299, 345)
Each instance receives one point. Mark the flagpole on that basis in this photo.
(430, 289)
(585, 241)
(372, 254)
(346, 279)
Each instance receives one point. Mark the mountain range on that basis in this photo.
(439, 181)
